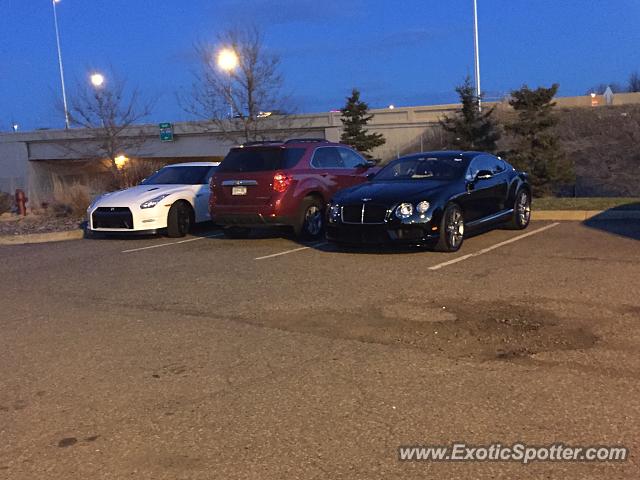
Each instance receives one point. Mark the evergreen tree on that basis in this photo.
(537, 148)
(472, 129)
(355, 116)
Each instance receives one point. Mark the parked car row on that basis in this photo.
(319, 188)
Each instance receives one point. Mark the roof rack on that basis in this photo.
(307, 140)
(260, 142)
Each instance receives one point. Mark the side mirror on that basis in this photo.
(366, 165)
(483, 175)
(370, 176)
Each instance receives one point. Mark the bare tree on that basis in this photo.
(634, 82)
(245, 101)
(109, 113)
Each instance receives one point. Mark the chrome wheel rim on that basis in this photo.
(313, 220)
(523, 208)
(455, 228)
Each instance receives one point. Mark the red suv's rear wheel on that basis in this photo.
(311, 222)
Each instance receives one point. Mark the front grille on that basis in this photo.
(112, 217)
(364, 213)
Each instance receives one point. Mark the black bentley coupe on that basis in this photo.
(431, 199)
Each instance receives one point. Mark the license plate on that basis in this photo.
(238, 190)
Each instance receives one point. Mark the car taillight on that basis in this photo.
(281, 182)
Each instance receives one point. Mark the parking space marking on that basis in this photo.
(286, 252)
(493, 247)
(171, 243)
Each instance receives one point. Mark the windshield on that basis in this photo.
(260, 159)
(196, 175)
(422, 168)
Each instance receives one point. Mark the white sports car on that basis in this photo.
(172, 199)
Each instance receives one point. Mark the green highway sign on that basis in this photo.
(166, 132)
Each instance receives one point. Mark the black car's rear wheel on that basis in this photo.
(521, 211)
(451, 229)
(311, 223)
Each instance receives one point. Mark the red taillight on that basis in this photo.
(281, 182)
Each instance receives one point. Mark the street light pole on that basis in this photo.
(64, 92)
(476, 43)
(228, 61)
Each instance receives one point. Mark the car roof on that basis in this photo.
(294, 142)
(193, 164)
(465, 155)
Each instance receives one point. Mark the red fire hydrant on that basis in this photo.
(21, 202)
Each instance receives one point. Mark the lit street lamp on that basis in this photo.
(97, 80)
(228, 61)
(64, 92)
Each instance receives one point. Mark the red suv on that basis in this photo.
(282, 184)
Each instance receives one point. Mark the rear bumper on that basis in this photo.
(249, 216)
(381, 234)
(251, 220)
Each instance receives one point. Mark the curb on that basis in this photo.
(582, 215)
(41, 237)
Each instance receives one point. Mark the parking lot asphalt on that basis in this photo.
(265, 358)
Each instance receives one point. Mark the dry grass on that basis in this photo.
(603, 142)
(70, 198)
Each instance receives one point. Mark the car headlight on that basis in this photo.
(154, 201)
(334, 212)
(422, 207)
(404, 210)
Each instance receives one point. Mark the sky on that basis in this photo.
(401, 52)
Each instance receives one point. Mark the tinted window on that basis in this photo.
(180, 176)
(422, 168)
(327, 157)
(483, 162)
(260, 159)
(350, 158)
(499, 166)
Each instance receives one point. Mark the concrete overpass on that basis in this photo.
(28, 159)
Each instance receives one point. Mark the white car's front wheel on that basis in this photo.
(180, 219)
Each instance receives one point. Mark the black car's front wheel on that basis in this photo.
(451, 229)
(521, 211)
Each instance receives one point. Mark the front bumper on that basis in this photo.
(124, 220)
(416, 234)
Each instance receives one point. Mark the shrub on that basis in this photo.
(6, 202)
(70, 199)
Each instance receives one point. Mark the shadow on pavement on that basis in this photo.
(204, 229)
(613, 221)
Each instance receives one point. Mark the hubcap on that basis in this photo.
(313, 220)
(524, 208)
(455, 228)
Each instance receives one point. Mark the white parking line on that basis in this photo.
(492, 247)
(286, 252)
(171, 243)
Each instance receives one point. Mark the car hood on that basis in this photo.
(134, 196)
(388, 192)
